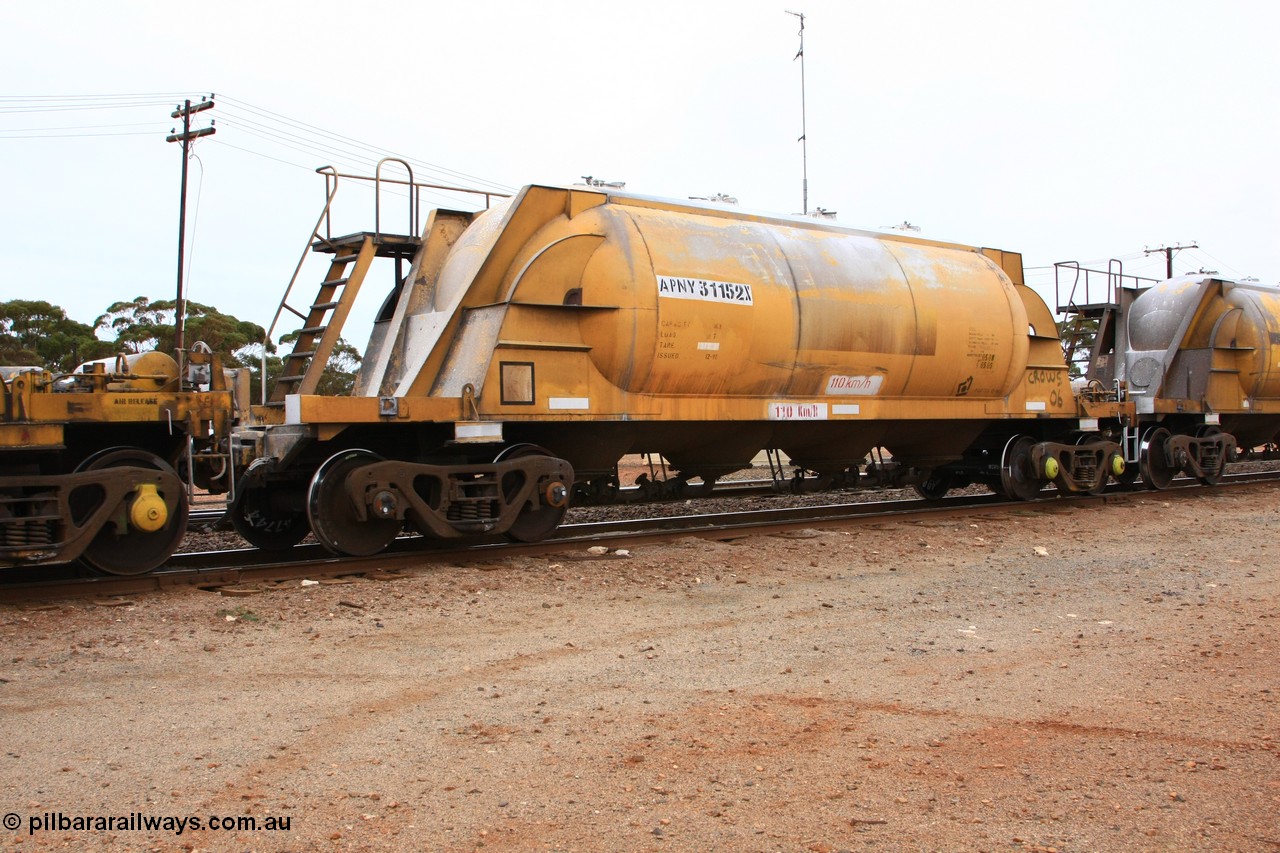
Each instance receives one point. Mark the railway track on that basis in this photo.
(206, 514)
(231, 571)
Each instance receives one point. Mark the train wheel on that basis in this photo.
(265, 525)
(1018, 477)
(533, 524)
(333, 514)
(1157, 473)
(135, 551)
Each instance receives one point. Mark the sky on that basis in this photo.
(1078, 131)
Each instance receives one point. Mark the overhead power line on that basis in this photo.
(304, 127)
(82, 127)
(166, 96)
(10, 104)
(1219, 263)
(274, 129)
(78, 135)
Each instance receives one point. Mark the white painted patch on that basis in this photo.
(477, 431)
(710, 346)
(292, 409)
(797, 411)
(1088, 424)
(1035, 407)
(705, 290)
(1214, 418)
(569, 403)
(854, 385)
(846, 409)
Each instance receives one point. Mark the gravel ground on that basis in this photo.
(1049, 678)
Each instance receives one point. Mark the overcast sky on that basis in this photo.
(1066, 131)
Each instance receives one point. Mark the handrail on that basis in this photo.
(377, 198)
(489, 195)
(1057, 284)
(1114, 279)
(331, 179)
(331, 188)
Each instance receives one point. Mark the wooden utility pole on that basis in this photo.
(1168, 255)
(184, 112)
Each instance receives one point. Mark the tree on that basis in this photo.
(274, 363)
(339, 376)
(41, 334)
(142, 325)
(1077, 334)
(34, 332)
(240, 340)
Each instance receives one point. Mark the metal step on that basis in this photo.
(323, 322)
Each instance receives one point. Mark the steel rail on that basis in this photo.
(204, 519)
(235, 568)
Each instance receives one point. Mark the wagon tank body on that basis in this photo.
(578, 326)
(1207, 345)
(635, 311)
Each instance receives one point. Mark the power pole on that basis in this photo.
(185, 112)
(804, 133)
(1168, 255)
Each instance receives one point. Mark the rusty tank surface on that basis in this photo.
(532, 345)
(636, 316)
(672, 301)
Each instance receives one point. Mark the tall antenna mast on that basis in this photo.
(804, 133)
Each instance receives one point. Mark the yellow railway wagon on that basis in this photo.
(532, 345)
(90, 461)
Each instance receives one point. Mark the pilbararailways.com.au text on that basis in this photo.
(140, 822)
